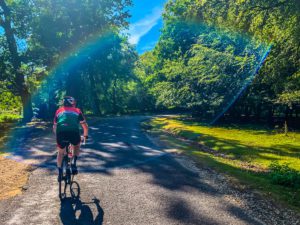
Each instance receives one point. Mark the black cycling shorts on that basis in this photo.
(66, 137)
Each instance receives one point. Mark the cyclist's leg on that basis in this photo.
(76, 150)
(75, 141)
(61, 146)
(60, 156)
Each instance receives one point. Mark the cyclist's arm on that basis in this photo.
(85, 129)
(55, 124)
(83, 125)
(54, 128)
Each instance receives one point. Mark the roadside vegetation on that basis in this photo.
(264, 159)
(7, 121)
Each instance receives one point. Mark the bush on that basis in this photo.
(284, 175)
(9, 118)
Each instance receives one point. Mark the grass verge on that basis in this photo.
(244, 153)
(7, 121)
(4, 130)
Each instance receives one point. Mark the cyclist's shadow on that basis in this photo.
(75, 212)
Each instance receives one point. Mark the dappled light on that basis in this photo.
(149, 112)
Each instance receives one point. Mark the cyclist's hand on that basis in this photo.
(83, 139)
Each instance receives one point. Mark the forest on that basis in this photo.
(215, 60)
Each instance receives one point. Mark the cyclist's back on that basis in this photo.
(68, 119)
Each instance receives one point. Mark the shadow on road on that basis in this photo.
(120, 143)
(76, 212)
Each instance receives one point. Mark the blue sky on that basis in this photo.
(146, 22)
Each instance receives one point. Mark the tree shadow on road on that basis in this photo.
(121, 145)
(75, 212)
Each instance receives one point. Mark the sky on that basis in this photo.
(146, 22)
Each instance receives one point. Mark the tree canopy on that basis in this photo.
(208, 51)
(205, 61)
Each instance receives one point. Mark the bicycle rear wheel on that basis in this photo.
(75, 190)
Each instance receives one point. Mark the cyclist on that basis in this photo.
(66, 127)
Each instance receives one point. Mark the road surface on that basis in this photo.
(128, 179)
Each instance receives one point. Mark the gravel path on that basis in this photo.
(126, 178)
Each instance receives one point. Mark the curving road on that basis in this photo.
(125, 179)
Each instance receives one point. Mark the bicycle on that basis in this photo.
(68, 177)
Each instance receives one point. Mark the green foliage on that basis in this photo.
(291, 95)
(203, 58)
(102, 69)
(205, 55)
(59, 33)
(10, 106)
(9, 117)
(208, 75)
(284, 175)
(9, 102)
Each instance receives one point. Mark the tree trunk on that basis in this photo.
(27, 106)
(258, 112)
(270, 115)
(19, 80)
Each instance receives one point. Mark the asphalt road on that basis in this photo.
(125, 179)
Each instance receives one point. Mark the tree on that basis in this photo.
(7, 16)
(207, 48)
(91, 71)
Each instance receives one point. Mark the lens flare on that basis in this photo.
(71, 60)
(248, 82)
(223, 43)
(221, 62)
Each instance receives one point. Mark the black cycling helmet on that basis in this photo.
(69, 101)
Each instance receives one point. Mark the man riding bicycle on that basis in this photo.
(66, 127)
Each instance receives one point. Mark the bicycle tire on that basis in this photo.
(75, 190)
(60, 195)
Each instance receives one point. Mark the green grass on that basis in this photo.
(4, 129)
(257, 146)
(244, 152)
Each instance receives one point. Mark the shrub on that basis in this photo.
(9, 118)
(284, 175)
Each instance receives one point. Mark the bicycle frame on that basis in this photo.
(67, 176)
(67, 160)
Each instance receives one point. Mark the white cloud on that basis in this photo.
(149, 46)
(143, 26)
